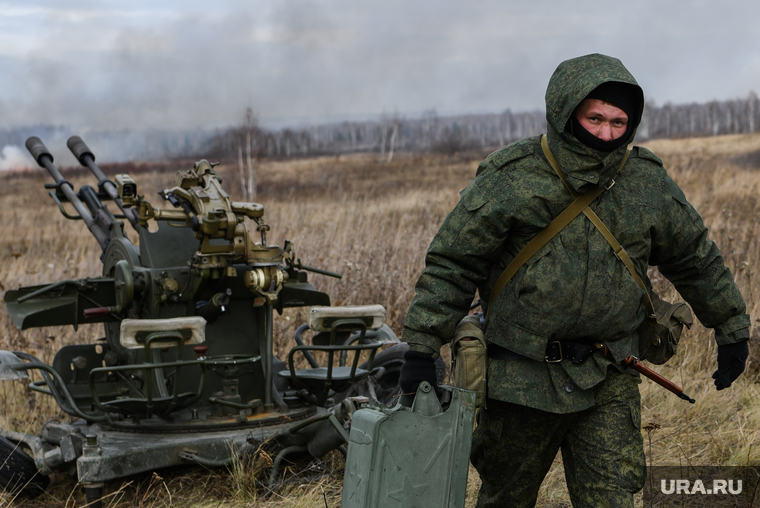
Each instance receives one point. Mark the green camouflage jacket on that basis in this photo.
(574, 288)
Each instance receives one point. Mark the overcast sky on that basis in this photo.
(180, 64)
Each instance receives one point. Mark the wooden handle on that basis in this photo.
(634, 363)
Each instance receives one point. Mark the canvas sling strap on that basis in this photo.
(618, 249)
(580, 204)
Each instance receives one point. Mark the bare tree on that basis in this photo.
(383, 134)
(751, 110)
(251, 124)
(429, 128)
(392, 141)
(240, 167)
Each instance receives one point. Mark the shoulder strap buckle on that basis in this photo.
(554, 353)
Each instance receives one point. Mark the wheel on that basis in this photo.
(120, 260)
(18, 472)
(384, 382)
(386, 385)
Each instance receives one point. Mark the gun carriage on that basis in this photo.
(185, 372)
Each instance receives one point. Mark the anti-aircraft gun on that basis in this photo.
(185, 372)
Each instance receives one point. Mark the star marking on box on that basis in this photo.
(409, 495)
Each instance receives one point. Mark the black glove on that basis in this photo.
(418, 367)
(731, 361)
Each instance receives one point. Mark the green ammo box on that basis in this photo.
(411, 457)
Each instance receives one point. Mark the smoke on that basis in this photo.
(14, 157)
(169, 65)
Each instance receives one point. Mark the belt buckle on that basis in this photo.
(559, 346)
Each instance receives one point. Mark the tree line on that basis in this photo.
(389, 133)
(428, 133)
(449, 134)
(737, 116)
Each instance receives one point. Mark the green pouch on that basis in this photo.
(659, 335)
(469, 358)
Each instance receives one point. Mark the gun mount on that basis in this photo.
(185, 372)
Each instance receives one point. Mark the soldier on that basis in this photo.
(573, 293)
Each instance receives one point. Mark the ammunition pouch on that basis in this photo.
(659, 334)
(469, 358)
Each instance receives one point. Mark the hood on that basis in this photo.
(572, 81)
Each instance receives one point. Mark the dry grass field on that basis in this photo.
(373, 222)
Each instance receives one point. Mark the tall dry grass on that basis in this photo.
(372, 222)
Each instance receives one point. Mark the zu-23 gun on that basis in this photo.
(185, 372)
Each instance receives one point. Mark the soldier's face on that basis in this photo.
(603, 120)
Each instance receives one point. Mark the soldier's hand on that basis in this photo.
(418, 367)
(731, 361)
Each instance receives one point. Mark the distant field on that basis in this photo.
(373, 222)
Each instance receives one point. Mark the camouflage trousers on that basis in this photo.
(602, 448)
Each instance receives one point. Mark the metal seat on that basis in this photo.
(153, 335)
(347, 328)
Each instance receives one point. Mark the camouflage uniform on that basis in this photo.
(514, 447)
(574, 289)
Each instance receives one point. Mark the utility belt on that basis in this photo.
(556, 351)
(471, 354)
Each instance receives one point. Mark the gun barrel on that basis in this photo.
(87, 159)
(321, 271)
(45, 159)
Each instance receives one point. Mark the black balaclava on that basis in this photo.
(621, 95)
